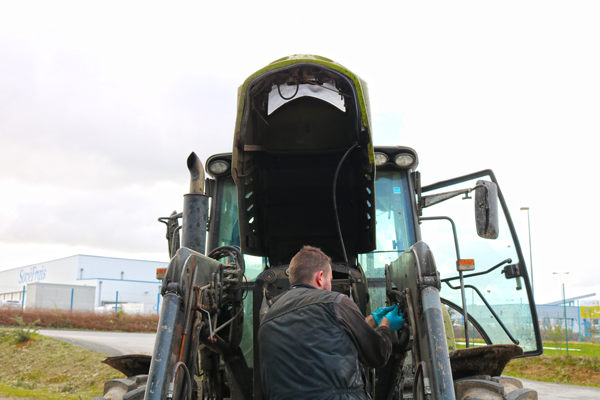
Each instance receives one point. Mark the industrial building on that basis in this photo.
(84, 282)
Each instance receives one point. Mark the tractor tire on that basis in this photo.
(485, 387)
(132, 388)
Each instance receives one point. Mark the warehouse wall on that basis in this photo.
(51, 295)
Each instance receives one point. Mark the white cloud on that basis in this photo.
(101, 104)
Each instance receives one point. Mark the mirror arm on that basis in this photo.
(432, 199)
(427, 201)
(508, 260)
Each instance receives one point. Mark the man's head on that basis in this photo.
(311, 266)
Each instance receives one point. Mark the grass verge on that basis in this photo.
(584, 371)
(580, 367)
(47, 369)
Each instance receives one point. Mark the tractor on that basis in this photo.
(304, 171)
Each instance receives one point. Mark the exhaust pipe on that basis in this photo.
(196, 174)
(195, 208)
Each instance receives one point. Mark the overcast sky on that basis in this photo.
(101, 104)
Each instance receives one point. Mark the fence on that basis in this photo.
(580, 323)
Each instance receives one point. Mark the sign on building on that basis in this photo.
(590, 309)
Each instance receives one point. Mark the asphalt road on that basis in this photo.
(111, 343)
(116, 344)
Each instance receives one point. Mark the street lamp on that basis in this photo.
(530, 254)
(564, 307)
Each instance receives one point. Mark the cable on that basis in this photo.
(337, 218)
(426, 388)
(294, 95)
(229, 251)
(187, 376)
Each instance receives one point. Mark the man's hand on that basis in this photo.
(394, 317)
(380, 313)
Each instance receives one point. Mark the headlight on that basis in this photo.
(404, 160)
(380, 159)
(218, 167)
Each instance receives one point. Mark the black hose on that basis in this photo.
(229, 251)
(337, 218)
(187, 376)
(421, 367)
(289, 98)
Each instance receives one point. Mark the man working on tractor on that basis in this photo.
(312, 341)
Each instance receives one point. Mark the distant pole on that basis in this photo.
(473, 308)
(72, 293)
(158, 304)
(117, 303)
(530, 253)
(579, 319)
(565, 314)
(564, 306)
(23, 299)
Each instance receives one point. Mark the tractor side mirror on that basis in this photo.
(486, 209)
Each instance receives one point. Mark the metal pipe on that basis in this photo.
(565, 314)
(433, 343)
(453, 231)
(197, 174)
(195, 209)
(464, 304)
(160, 367)
(530, 252)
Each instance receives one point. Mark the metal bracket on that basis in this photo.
(511, 271)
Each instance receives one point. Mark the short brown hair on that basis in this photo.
(307, 263)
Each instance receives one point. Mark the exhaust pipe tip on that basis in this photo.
(196, 174)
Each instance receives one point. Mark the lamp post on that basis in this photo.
(564, 307)
(530, 254)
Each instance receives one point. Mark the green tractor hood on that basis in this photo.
(297, 118)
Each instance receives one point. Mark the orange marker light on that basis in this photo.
(160, 273)
(465, 265)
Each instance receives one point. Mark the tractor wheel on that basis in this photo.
(132, 388)
(492, 388)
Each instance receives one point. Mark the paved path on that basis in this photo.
(555, 391)
(111, 343)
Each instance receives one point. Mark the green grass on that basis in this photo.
(47, 369)
(583, 371)
(585, 349)
(578, 368)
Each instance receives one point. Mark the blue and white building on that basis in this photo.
(85, 282)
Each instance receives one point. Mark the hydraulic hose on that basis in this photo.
(426, 388)
(337, 217)
(187, 377)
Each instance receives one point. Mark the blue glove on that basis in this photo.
(380, 313)
(395, 319)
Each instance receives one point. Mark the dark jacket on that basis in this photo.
(312, 343)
